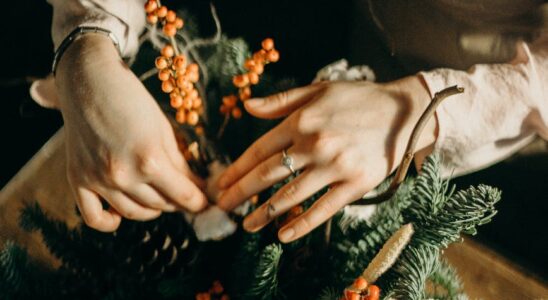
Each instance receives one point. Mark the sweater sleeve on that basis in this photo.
(124, 18)
(503, 108)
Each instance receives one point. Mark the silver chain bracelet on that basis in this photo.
(74, 35)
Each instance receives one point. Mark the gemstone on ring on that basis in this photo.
(287, 161)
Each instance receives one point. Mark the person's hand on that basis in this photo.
(120, 147)
(345, 135)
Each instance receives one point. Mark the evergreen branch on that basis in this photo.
(413, 268)
(13, 263)
(445, 283)
(265, 284)
(330, 293)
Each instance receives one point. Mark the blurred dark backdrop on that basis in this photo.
(309, 35)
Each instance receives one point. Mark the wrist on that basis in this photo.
(415, 91)
(87, 51)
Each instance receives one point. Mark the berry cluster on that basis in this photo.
(362, 290)
(215, 292)
(177, 76)
(158, 13)
(255, 67)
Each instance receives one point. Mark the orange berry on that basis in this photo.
(258, 68)
(259, 56)
(187, 102)
(296, 210)
(360, 283)
(244, 93)
(224, 109)
(179, 62)
(351, 295)
(161, 63)
(161, 11)
(164, 74)
(230, 100)
(193, 94)
(171, 16)
(217, 287)
(152, 18)
(170, 30)
(249, 64)
(236, 113)
(240, 80)
(168, 86)
(193, 76)
(197, 103)
(193, 117)
(199, 130)
(225, 297)
(180, 116)
(373, 292)
(268, 44)
(273, 56)
(182, 82)
(176, 101)
(253, 77)
(179, 23)
(151, 6)
(193, 68)
(168, 51)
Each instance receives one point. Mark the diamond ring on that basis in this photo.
(287, 161)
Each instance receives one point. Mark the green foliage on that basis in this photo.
(265, 284)
(162, 259)
(445, 283)
(13, 264)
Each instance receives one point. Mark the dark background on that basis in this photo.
(309, 35)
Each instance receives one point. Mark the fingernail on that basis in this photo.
(286, 234)
(254, 102)
(248, 224)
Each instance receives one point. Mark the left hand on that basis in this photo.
(345, 135)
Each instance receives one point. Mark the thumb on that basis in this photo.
(281, 104)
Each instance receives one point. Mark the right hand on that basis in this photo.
(120, 146)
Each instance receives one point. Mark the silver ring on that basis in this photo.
(287, 161)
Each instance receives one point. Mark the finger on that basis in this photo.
(179, 189)
(92, 211)
(282, 104)
(270, 143)
(147, 196)
(129, 208)
(264, 175)
(335, 199)
(178, 160)
(293, 193)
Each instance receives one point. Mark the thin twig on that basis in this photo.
(223, 126)
(401, 173)
(215, 38)
(148, 74)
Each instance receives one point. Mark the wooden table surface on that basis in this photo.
(485, 274)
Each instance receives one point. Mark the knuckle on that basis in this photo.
(257, 153)
(264, 173)
(290, 192)
(149, 165)
(342, 163)
(304, 224)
